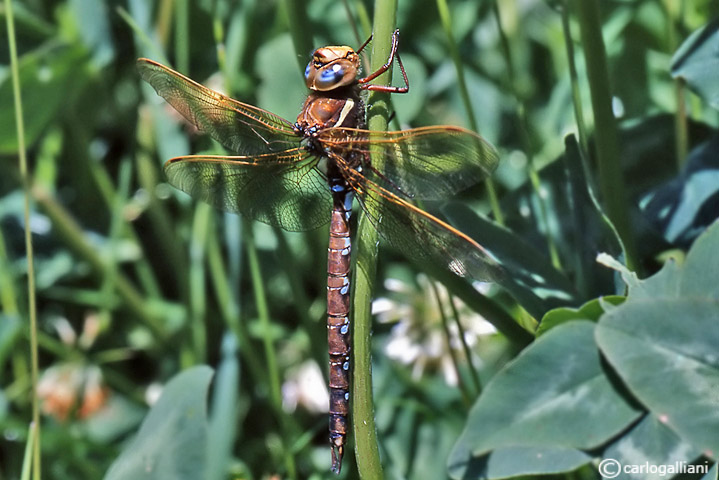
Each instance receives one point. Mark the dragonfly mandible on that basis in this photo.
(298, 176)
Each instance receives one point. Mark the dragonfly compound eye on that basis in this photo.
(330, 76)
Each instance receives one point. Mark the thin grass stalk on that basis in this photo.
(300, 31)
(69, 230)
(228, 290)
(574, 82)
(524, 135)
(116, 224)
(30, 448)
(25, 177)
(674, 15)
(300, 301)
(164, 21)
(503, 322)
(465, 348)
(263, 313)
(448, 337)
(365, 431)
(225, 272)
(201, 226)
(353, 22)
(363, 18)
(182, 36)
(8, 293)
(104, 183)
(159, 218)
(446, 18)
(227, 302)
(611, 179)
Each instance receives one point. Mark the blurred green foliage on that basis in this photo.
(136, 281)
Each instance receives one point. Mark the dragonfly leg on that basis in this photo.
(364, 82)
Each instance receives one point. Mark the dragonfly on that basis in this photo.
(298, 176)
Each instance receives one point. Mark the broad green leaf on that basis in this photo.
(532, 280)
(683, 206)
(650, 442)
(224, 411)
(666, 352)
(172, 439)
(555, 394)
(48, 78)
(663, 343)
(508, 462)
(697, 62)
(713, 473)
(282, 88)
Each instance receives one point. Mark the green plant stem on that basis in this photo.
(116, 224)
(263, 313)
(182, 35)
(523, 131)
(30, 449)
(8, 293)
(446, 18)
(465, 348)
(503, 322)
(611, 179)
(674, 13)
(299, 30)
(448, 336)
(365, 432)
(68, 229)
(202, 224)
(367, 450)
(32, 306)
(574, 81)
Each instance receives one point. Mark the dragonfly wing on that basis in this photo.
(239, 127)
(283, 190)
(420, 235)
(423, 163)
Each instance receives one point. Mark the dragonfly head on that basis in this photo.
(332, 67)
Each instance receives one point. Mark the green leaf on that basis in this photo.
(224, 411)
(171, 441)
(685, 205)
(649, 442)
(515, 461)
(555, 394)
(48, 77)
(697, 62)
(591, 310)
(713, 473)
(282, 87)
(533, 281)
(663, 343)
(665, 350)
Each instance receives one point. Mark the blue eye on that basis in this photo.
(307, 70)
(327, 76)
(332, 75)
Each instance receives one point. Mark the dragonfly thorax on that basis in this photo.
(332, 67)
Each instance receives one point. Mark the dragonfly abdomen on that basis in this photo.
(338, 323)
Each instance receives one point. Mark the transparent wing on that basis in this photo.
(424, 163)
(418, 234)
(239, 127)
(280, 189)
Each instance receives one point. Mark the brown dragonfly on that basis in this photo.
(298, 176)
